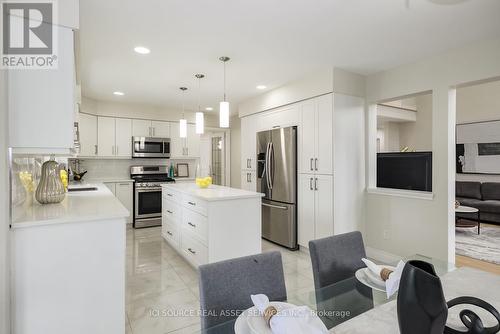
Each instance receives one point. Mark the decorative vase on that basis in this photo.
(421, 305)
(50, 188)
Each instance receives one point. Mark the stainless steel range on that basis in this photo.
(147, 194)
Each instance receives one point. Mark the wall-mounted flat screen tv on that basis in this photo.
(405, 170)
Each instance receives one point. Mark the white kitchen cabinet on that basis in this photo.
(279, 118)
(323, 209)
(249, 127)
(305, 209)
(141, 128)
(88, 135)
(41, 103)
(124, 193)
(248, 180)
(315, 207)
(193, 142)
(114, 137)
(105, 136)
(316, 136)
(148, 128)
(123, 137)
(160, 129)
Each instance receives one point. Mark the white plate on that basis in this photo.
(369, 279)
(249, 323)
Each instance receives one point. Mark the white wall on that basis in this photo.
(413, 225)
(478, 103)
(4, 210)
(133, 110)
(235, 152)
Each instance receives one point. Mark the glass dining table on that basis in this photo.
(339, 302)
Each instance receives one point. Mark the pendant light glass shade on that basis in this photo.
(224, 105)
(200, 123)
(224, 114)
(183, 128)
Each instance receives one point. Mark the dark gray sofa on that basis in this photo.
(483, 196)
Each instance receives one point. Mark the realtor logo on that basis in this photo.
(28, 34)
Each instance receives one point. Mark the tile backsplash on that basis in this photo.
(102, 169)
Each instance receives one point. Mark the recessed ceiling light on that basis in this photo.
(261, 87)
(142, 50)
(119, 93)
(209, 108)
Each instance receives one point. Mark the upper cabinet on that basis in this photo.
(316, 137)
(88, 135)
(42, 103)
(249, 126)
(184, 147)
(114, 137)
(147, 128)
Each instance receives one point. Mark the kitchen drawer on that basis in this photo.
(194, 250)
(195, 204)
(171, 210)
(171, 233)
(195, 224)
(172, 195)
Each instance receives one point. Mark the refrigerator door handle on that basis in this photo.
(275, 206)
(271, 167)
(266, 169)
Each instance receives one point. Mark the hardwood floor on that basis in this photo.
(464, 261)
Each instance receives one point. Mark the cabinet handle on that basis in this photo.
(154, 132)
(316, 164)
(311, 184)
(191, 224)
(192, 203)
(250, 177)
(117, 150)
(311, 164)
(123, 184)
(150, 131)
(169, 195)
(315, 184)
(248, 163)
(192, 251)
(169, 233)
(169, 211)
(95, 149)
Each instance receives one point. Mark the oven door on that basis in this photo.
(144, 147)
(147, 202)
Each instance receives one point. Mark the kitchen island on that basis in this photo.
(213, 224)
(68, 264)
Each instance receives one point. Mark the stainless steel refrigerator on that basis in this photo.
(277, 180)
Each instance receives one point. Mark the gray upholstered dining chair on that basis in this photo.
(334, 262)
(226, 286)
(336, 258)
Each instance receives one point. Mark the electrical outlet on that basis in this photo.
(387, 234)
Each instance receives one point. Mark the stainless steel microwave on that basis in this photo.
(148, 147)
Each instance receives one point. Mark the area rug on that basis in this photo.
(485, 247)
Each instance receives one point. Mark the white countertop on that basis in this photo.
(213, 192)
(76, 207)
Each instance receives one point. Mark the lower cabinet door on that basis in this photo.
(306, 208)
(194, 250)
(323, 185)
(170, 232)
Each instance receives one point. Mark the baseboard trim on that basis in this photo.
(381, 255)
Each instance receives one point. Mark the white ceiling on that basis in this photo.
(270, 42)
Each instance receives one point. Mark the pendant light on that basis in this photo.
(183, 121)
(224, 105)
(200, 117)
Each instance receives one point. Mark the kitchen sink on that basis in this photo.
(82, 189)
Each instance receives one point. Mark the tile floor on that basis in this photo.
(162, 288)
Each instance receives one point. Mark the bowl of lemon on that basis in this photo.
(203, 182)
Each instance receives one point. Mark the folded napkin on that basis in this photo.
(296, 320)
(391, 278)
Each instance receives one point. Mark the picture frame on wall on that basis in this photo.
(478, 148)
(182, 170)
